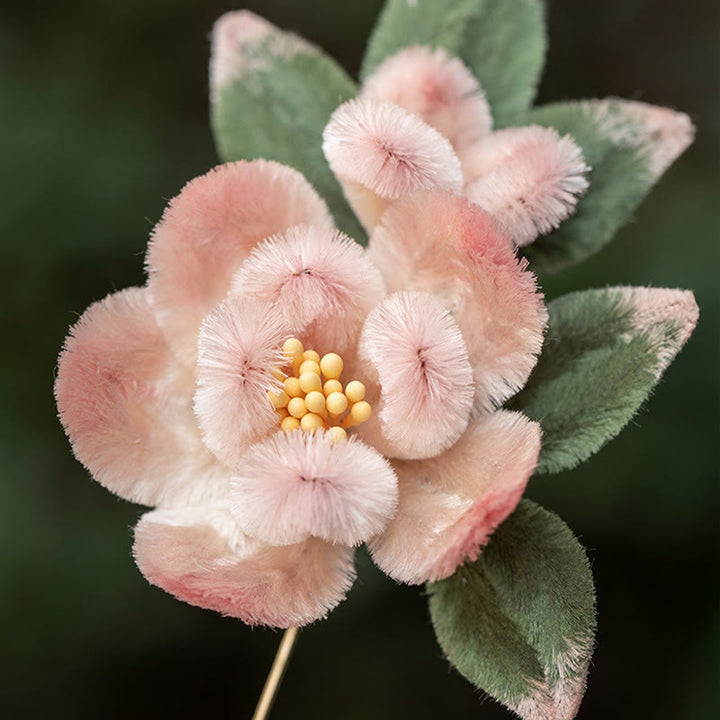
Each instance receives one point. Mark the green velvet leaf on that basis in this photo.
(604, 352)
(628, 145)
(519, 622)
(501, 41)
(276, 104)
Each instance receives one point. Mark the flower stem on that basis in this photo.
(276, 674)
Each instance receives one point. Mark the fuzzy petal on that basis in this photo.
(450, 505)
(380, 152)
(210, 228)
(322, 281)
(240, 342)
(437, 87)
(530, 180)
(125, 405)
(296, 485)
(417, 351)
(201, 557)
(442, 244)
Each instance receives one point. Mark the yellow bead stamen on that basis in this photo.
(312, 398)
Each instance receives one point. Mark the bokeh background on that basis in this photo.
(104, 117)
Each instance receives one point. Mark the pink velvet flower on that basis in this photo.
(163, 390)
(422, 118)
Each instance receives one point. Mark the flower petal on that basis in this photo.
(240, 342)
(442, 244)
(209, 229)
(417, 351)
(437, 87)
(125, 405)
(296, 485)
(450, 505)
(322, 281)
(380, 152)
(200, 556)
(529, 179)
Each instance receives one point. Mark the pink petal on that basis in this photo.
(380, 152)
(417, 351)
(200, 556)
(451, 504)
(292, 486)
(125, 405)
(437, 87)
(210, 228)
(240, 342)
(322, 281)
(442, 244)
(531, 180)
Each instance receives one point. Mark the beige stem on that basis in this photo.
(276, 674)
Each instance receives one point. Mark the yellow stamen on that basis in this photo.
(331, 366)
(315, 402)
(289, 424)
(309, 366)
(312, 397)
(311, 421)
(292, 387)
(337, 403)
(355, 391)
(297, 407)
(310, 381)
(279, 399)
(332, 386)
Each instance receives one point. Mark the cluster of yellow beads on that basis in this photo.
(313, 398)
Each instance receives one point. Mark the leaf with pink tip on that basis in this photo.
(628, 146)
(501, 41)
(604, 352)
(272, 93)
(519, 622)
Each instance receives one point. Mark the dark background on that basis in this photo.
(104, 116)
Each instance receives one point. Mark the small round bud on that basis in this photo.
(360, 412)
(290, 423)
(332, 386)
(336, 403)
(283, 412)
(355, 391)
(310, 381)
(331, 366)
(315, 401)
(311, 355)
(292, 387)
(293, 349)
(278, 399)
(278, 374)
(337, 434)
(309, 366)
(296, 407)
(311, 421)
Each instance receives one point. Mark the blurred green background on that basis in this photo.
(104, 117)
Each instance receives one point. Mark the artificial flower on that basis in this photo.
(281, 395)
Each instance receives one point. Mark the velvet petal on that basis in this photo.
(437, 87)
(450, 505)
(443, 244)
(126, 407)
(210, 228)
(200, 556)
(380, 152)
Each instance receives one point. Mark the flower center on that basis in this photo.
(313, 398)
